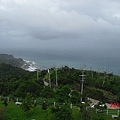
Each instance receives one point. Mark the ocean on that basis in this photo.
(45, 59)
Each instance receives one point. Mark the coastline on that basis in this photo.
(29, 66)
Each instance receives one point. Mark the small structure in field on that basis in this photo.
(18, 103)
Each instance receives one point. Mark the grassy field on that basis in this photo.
(14, 112)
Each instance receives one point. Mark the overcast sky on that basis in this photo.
(92, 25)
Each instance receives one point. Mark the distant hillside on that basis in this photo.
(11, 78)
(9, 59)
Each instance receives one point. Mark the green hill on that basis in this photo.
(17, 83)
(9, 59)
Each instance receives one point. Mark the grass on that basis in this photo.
(14, 112)
(113, 111)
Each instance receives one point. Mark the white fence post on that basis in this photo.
(96, 110)
(71, 105)
(107, 111)
(118, 112)
(35, 101)
(54, 104)
(8, 98)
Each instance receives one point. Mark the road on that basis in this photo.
(107, 104)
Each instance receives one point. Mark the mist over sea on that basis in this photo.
(78, 59)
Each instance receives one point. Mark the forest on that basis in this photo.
(18, 83)
(15, 81)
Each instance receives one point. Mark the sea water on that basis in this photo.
(45, 59)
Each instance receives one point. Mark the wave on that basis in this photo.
(29, 65)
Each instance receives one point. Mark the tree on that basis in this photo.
(26, 103)
(5, 102)
(62, 93)
(84, 109)
(75, 97)
(62, 112)
(118, 97)
(30, 86)
(47, 92)
(44, 106)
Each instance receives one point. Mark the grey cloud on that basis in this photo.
(87, 29)
(107, 10)
(50, 34)
(68, 24)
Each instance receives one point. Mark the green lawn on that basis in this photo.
(113, 111)
(14, 112)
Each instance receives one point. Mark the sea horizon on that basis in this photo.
(75, 59)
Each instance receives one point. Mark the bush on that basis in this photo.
(62, 112)
(2, 116)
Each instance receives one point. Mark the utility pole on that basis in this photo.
(82, 82)
(49, 78)
(91, 72)
(56, 77)
(105, 75)
(37, 74)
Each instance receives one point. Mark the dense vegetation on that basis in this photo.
(18, 83)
